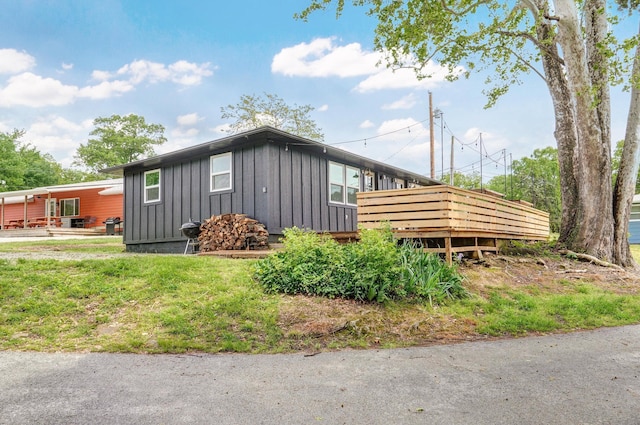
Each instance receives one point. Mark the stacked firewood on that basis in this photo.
(232, 232)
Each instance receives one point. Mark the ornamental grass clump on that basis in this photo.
(374, 269)
(427, 277)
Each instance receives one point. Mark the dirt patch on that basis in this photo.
(320, 322)
(548, 274)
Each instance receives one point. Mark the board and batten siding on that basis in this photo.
(185, 195)
(298, 188)
(281, 186)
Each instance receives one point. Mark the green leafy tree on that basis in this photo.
(10, 164)
(617, 159)
(119, 140)
(75, 175)
(464, 181)
(537, 180)
(22, 166)
(38, 169)
(573, 46)
(256, 111)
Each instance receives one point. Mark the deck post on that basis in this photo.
(447, 250)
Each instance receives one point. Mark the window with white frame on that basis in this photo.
(221, 172)
(344, 183)
(152, 186)
(69, 207)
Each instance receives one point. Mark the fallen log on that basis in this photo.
(590, 258)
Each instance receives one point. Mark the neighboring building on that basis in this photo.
(634, 221)
(86, 204)
(277, 178)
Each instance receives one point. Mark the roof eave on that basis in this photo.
(274, 135)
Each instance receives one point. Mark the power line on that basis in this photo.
(377, 136)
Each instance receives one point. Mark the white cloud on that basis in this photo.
(491, 142)
(14, 62)
(221, 129)
(407, 102)
(188, 73)
(180, 72)
(189, 119)
(323, 108)
(106, 89)
(322, 58)
(367, 124)
(101, 75)
(58, 136)
(402, 129)
(67, 66)
(28, 89)
(403, 78)
(184, 133)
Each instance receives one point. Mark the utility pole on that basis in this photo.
(437, 113)
(433, 149)
(511, 174)
(481, 162)
(504, 158)
(451, 169)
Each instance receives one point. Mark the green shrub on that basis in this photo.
(374, 269)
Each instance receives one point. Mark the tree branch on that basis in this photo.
(538, 44)
(469, 9)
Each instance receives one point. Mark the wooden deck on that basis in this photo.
(450, 220)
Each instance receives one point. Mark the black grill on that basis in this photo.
(191, 229)
(112, 220)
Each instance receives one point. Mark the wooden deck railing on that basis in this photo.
(449, 209)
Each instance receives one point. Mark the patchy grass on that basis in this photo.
(134, 304)
(175, 303)
(101, 244)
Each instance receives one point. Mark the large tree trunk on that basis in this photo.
(589, 225)
(565, 131)
(627, 174)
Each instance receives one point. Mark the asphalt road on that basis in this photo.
(580, 378)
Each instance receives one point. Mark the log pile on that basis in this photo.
(232, 232)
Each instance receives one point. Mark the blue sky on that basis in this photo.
(64, 63)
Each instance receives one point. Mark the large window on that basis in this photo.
(344, 183)
(69, 207)
(152, 186)
(221, 172)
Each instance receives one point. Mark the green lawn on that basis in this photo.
(175, 303)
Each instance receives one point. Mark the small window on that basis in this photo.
(353, 185)
(152, 186)
(336, 182)
(221, 172)
(344, 183)
(69, 207)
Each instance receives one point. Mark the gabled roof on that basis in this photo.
(114, 184)
(271, 135)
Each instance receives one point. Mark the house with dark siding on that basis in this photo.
(275, 177)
